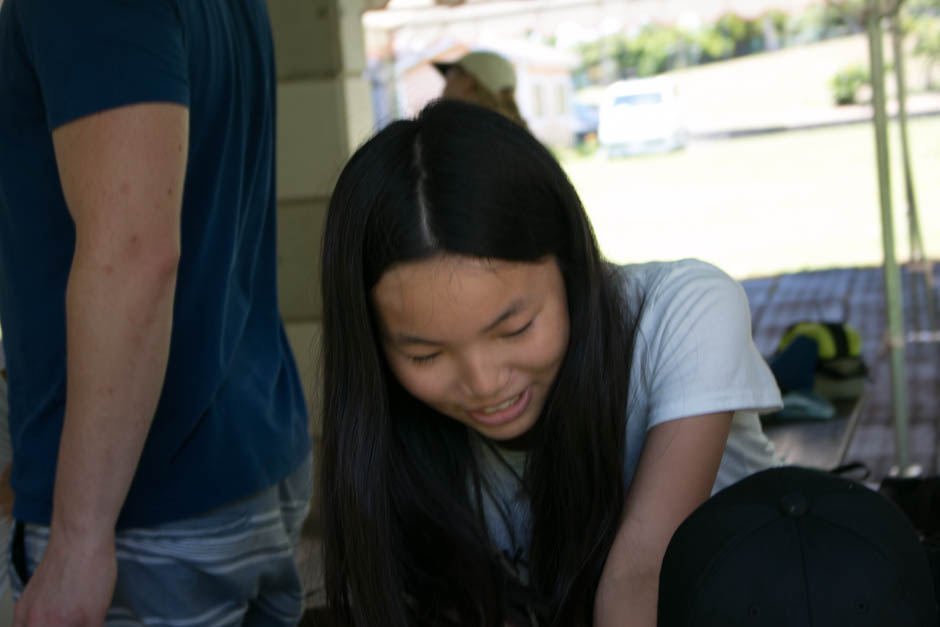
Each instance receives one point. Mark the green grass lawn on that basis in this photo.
(761, 205)
(772, 203)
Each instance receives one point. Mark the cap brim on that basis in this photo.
(443, 67)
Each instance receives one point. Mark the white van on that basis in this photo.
(641, 116)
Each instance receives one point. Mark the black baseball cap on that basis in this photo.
(796, 547)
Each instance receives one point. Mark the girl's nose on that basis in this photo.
(484, 377)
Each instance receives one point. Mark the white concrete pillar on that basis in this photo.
(324, 112)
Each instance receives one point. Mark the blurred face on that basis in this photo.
(480, 341)
(458, 84)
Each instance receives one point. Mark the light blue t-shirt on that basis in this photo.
(694, 355)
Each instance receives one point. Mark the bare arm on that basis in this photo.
(675, 474)
(122, 174)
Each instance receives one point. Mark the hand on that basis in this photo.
(72, 586)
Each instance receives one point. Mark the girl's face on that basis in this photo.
(480, 341)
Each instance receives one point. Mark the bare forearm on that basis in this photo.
(628, 591)
(675, 473)
(630, 602)
(119, 312)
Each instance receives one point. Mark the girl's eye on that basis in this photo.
(422, 359)
(521, 330)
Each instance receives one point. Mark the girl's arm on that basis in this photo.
(675, 474)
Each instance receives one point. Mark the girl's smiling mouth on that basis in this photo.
(504, 412)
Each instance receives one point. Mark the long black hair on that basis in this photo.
(404, 541)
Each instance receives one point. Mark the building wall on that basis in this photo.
(544, 97)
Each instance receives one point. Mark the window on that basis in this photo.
(561, 95)
(538, 107)
(639, 99)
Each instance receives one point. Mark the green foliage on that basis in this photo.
(927, 37)
(654, 51)
(927, 44)
(844, 17)
(734, 26)
(922, 7)
(834, 18)
(778, 22)
(658, 48)
(846, 83)
(747, 35)
(593, 55)
(712, 44)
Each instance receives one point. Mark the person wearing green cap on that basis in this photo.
(484, 78)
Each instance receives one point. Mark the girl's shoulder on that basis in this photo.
(661, 283)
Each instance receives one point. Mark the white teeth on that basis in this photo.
(501, 406)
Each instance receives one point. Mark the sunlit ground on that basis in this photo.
(761, 205)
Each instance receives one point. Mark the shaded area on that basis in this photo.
(856, 296)
(853, 295)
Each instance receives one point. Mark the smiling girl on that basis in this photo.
(512, 427)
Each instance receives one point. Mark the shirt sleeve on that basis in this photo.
(94, 55)
(697, 347)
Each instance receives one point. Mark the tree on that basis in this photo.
(927, 44)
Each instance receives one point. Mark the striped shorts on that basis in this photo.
(234, 565)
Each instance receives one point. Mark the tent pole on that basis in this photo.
(892, 277)
(919, 261)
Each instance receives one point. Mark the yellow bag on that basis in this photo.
(840, 370)
(835, 339)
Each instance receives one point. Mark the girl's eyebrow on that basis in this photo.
(514, 308)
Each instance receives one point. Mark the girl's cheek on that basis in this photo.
(420, 381)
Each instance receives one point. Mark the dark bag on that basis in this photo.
(919, 498)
